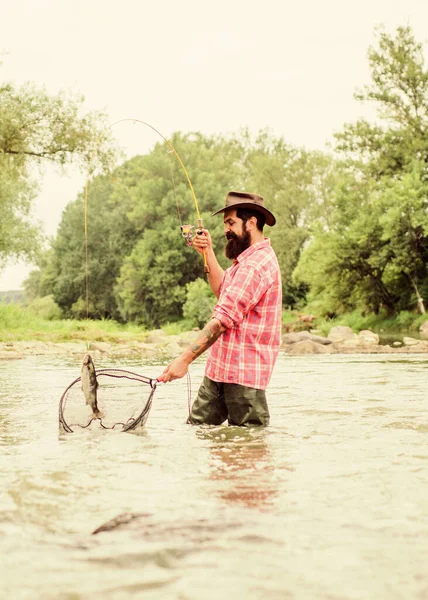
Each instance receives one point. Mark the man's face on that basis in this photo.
(238, 238)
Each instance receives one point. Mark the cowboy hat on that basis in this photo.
(245, 200)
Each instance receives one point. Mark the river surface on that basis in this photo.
(329, 502)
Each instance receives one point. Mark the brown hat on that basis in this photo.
(245, 200)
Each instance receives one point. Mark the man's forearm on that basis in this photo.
(208, 336)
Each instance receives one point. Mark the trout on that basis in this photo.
(90, 385)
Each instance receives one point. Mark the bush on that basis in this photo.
(45, 307)
(200, 301)
(403, 322)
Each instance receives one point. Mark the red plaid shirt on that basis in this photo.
(250, 307)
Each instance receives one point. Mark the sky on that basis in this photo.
(190, 65)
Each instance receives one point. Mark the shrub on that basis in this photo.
(45, 307)
(199, 304)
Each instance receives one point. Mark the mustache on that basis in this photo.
(231, 236)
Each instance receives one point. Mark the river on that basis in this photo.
(328, 502)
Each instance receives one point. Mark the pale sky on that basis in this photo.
(190, 65)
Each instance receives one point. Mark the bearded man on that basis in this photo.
(244, 333)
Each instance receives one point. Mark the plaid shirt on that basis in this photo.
(250, 307)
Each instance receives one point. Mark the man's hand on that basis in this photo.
(177, 369)
(202, 241)
(207, 337)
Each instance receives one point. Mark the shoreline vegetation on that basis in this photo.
(351, 236)
(23, 333)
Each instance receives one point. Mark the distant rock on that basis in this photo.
(409, 341)
(173, 348)
(420, 347)
(185, 339)
(368, 337)
(307, 347)
(423, 330)
(293, 338)
(340, 333)
(102, 347)
(156, 336)
(351, 342)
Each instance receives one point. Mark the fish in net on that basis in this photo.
(111, 398)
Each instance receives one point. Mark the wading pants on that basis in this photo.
(239, 404)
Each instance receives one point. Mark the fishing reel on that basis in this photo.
(187, 233)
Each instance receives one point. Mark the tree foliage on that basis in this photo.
(373, 253)
(36, 128)
(199, 304)
(139, 267)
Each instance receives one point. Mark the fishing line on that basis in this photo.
(131, 423)
(86, 194)
(173, 187)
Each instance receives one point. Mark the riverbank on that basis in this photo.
(158, 345)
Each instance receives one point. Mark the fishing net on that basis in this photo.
(119, 393)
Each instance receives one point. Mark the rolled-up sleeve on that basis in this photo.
(240, 296)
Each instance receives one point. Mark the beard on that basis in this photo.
(237, 244)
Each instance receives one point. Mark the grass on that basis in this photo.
(17, 323)
(404, 322)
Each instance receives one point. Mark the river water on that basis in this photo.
(329, 502)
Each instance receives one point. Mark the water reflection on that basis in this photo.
(241, 458)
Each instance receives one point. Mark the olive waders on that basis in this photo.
(239, 404)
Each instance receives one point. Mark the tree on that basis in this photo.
(399, 93)
(138, 263)
(19, 237)
(200, 302)
(151, 288)
(110, 239)
(296, 185)
(373, 254)
(36, 128)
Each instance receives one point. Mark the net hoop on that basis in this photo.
(132, 423)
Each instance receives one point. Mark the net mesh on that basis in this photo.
(124, 398)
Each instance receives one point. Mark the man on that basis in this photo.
(245, 330)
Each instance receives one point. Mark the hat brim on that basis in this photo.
(270, 219)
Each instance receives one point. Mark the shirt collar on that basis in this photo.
(253, 248)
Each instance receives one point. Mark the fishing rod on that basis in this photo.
(186, 230)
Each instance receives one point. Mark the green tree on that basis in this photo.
(110, 238)
(399, 93)
(35, 129)
(138, 263)
(373, 252)
(200, 302)
(151, 288)
(296, 185)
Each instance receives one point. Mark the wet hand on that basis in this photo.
(176, 370)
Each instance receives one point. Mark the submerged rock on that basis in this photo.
(120, 520)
